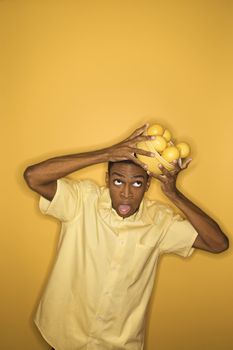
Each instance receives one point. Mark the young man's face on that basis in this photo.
(127, 184)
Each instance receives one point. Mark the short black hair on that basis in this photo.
(126, 161)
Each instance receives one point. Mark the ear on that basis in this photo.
(148, 183)
(107, 179)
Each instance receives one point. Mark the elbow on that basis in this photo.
(224, 245)
(28, 177)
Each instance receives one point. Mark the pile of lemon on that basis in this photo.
(164, 148)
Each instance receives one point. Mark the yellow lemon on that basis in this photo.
(159, 143)
(184, 149)
(155, 130)
(167, 135)
(171, 153)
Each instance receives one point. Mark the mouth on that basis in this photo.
(124, 209)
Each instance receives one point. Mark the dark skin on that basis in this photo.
(42, 178)
(210, 236)
(127, 185)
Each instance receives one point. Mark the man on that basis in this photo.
(110, 242)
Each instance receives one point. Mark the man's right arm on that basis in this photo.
(42, 177)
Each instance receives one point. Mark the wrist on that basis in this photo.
(172, 193)
(100, 156)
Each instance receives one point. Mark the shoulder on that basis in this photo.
(79, 185)
(77, 189)
(156, 209)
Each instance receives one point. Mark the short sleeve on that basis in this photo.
(65, 203)
(179, 237)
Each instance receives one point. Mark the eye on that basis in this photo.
(117, 182)
(137, 184)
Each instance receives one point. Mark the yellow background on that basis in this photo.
(81, 75)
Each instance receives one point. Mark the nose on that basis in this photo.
(126, 192)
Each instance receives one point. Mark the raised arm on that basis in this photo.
(210, 236)
(42, 177)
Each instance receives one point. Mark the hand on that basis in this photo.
(168, 178)
(127, 149)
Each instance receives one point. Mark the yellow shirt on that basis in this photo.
(105, 267)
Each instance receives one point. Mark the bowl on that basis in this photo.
(153, 162)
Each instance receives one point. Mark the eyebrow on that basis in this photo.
(134, 176)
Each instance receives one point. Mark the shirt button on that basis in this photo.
(99, 318)
(122, 241)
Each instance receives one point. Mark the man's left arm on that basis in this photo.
(210, 236)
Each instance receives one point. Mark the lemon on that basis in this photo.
(167, 135)
(171, 153)
(159, 143)
(184, 149)
(155, 130)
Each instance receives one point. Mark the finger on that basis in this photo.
(160, 177)
(176, 166)
(164, 170)
(145, 138)
(183, 164)
(187, 162)
(138, 131)
(138, 162)
(143, 152)
(170, 174)
(180, 163)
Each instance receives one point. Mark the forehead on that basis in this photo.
(127, 170)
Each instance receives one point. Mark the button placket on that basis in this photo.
(112, 280)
